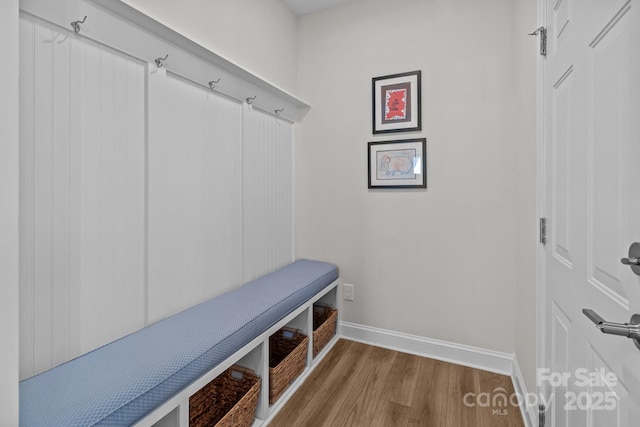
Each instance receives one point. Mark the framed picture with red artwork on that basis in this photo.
(396, 103)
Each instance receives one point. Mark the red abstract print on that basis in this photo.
(395, 104)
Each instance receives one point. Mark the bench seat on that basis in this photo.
(119, 383)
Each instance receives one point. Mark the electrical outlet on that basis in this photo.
(347, 292)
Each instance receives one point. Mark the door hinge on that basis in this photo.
(543, 231)
(541, 416)
(543, 39)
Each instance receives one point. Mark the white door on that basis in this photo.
(592, 201)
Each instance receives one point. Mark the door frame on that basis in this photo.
(543, 177)
(541, 197)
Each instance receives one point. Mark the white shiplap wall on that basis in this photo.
(268, 193)
(195, 194)
(82, 196)
(142, 194)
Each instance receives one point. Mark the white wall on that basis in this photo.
(258, 35)
(9, 214)
(440, 263)
(525, 48)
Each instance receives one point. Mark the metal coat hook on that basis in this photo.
(279, 111)
(160, 61)
(213, 83)
(76, 25)
(250, 100)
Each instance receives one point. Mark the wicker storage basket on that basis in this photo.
(229, 400)
(325, 319)
(287, 359)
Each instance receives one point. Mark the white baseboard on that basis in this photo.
(529, 414)
(473, 357)
(460, 354)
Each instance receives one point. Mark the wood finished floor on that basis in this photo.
(361, 385)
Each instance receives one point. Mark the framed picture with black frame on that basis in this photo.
(398, 164)
(396, 101)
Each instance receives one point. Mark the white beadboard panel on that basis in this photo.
(43, 180)
(60, 192)
(112, 198)
(267, 193)
(76, 199)
(26, 207)
(81, 196)
(195, 194)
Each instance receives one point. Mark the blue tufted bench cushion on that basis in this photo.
(121, 382)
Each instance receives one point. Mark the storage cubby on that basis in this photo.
(325, 320)
(229, 400)
(255, 356)
(288, 351)
(253, 360)
(300, 322)
(172, 419)
(330, 298)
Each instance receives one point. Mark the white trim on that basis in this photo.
(126, 29)
(529, 414)
(10, 217)
(541, 200)
(460, 354)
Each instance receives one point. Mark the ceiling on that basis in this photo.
(302, 7)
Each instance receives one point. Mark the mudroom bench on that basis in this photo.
(146, 378)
